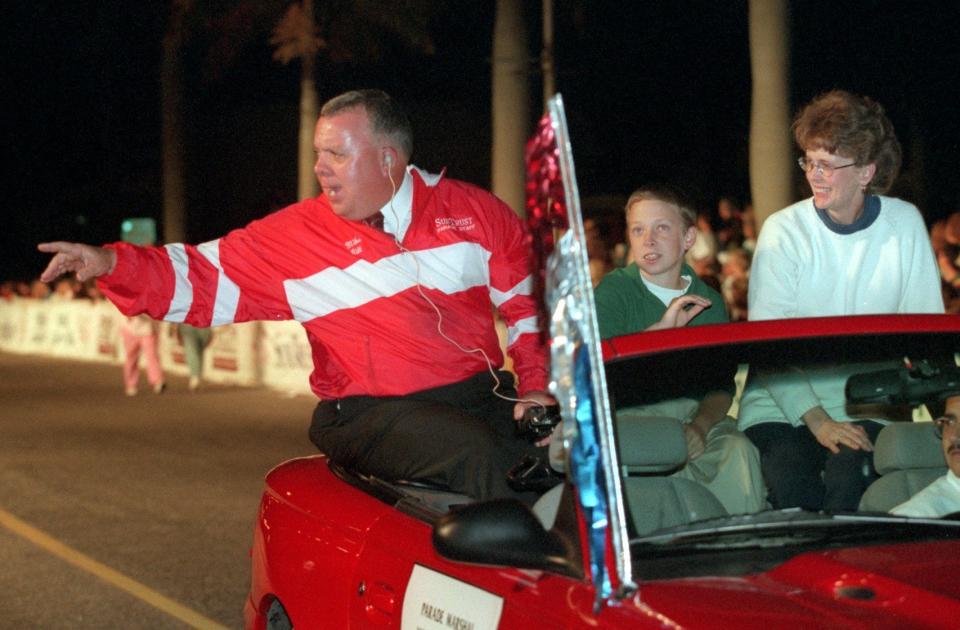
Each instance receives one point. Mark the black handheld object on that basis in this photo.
(533, 474)
(538, 422)
(912, 384)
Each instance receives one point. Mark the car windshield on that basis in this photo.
(895, 370)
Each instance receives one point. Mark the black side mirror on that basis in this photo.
(501, 532)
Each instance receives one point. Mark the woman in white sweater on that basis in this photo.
(846, 250)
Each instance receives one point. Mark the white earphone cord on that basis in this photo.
(416, 280)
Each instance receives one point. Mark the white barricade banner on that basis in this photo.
(105, 337)
(286, 357)
(69, 329)
(12, 324)
(275, 354)
(231, 356)
(170, 349)
(36, 331)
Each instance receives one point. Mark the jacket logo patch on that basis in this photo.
(464, 224)
(353, 245)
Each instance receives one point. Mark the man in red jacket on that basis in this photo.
(394, 273)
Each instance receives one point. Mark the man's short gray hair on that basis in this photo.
(386, 115)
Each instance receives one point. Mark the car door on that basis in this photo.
(401, 582)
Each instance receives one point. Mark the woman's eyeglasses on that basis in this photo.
(821, 167)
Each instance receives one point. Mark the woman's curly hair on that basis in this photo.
(852, 126)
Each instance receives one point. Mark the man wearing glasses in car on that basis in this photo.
(941, 497)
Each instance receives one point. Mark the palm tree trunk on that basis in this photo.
(547, 65)
(511, 104)
(171, 119)
(306, 179)
(770, 145)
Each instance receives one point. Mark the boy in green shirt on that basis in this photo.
(657, 290)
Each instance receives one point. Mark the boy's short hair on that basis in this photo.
(667, 194)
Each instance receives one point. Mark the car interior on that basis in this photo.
(908, 457)
(651, 448)
(907, 454)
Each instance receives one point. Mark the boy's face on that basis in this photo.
(658, 241)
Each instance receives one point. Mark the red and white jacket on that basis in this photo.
(356, 293)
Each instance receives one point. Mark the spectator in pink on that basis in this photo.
(139, 335)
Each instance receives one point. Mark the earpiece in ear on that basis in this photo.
(387, 160)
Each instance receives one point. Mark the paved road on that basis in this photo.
(137, 512)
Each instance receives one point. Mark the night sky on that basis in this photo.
(660, 90)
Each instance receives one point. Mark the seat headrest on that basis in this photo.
(907, 445)
(650, 444)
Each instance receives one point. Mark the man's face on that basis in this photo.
(349, 164)
(951, 436)
(658, 241)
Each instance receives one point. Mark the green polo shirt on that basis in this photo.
(625, 305)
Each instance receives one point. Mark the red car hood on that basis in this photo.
(913, 585)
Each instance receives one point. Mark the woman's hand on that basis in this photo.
(832, 434)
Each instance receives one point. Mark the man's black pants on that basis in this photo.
(460, 436)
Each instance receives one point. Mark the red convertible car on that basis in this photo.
(334, 549)
(620, 542)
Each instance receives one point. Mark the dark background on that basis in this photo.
(653, 90)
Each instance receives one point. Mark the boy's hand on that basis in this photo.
(681, 310)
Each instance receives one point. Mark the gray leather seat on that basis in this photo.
(651, 448)
(908, 457)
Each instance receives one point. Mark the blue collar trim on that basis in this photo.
(871, 210)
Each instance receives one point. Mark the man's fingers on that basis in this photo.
(83, 276)
(50, 272)
(58, 265)
(87, 261)
(56, 246)
(61, 262)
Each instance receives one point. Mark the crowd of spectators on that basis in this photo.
(63, 289)
(945, 238)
